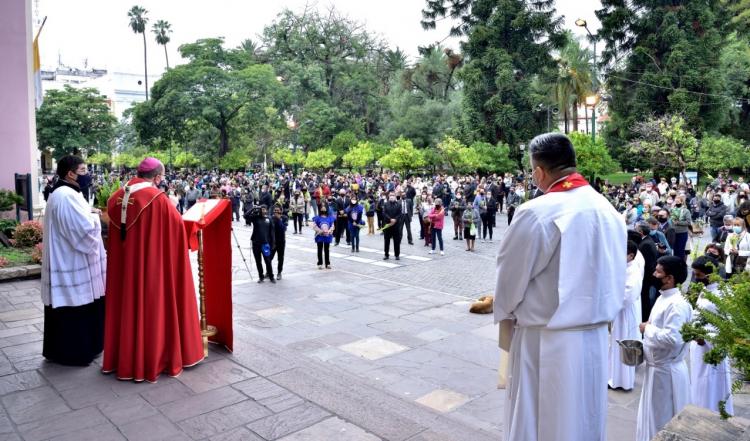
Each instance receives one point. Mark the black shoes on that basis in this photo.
(397, 258)
(278, 276)
(386, 258)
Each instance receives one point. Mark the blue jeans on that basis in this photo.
(680, 242)
(439, 234)
(354, 231)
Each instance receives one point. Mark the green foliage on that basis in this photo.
(403, 157)
(105, 191)
(101, 159)
(494, 159)
(462, 159)
(15, 256)
(342, 142)
(8, 199)
(666, 142)
(74, 121)
(320, 159)
(508, 46)
(127, 160)
(718, 153)
(729, 325)
(735, 68)
(360, 155)
(287, 156)
(185, 160)
(664, 59)
(575, 79)
(593, 158)
(28, 234)
(236, 159)
(8, 226)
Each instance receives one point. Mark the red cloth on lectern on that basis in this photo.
(152, 318)
(217, 268)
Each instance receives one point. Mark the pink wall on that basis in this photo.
(18, 152)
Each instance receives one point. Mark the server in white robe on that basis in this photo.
(560, 277)
(625, 324)
(709, 384)
(666, 384)
(73, 270)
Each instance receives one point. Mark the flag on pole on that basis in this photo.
(38, 92)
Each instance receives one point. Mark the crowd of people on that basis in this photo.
(662, 219)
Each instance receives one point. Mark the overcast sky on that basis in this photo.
(98, 31)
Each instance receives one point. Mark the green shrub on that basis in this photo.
(28, 234)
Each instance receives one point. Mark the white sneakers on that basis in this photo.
(442, 253)
(432, 252)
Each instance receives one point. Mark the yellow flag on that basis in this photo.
(38, 93)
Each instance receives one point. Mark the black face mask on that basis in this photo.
(662, 219)
(660, 283)
(717, 202)
(705, 281)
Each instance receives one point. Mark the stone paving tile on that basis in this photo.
(239, 434)
(20, 314)
(62, 424)
(373, 348)
(124, 410)
(224, 419)
(103, 432)
(201, 403)
(92, 394)
(20, 381)
(155, 428)
(338, 338)
(162, 394)
(288, 421)
(6, 425)
(212, 375)
(331, 429)
(443, 400)
(35, 404)
(481, 351)
(327, 353)
(268, 394)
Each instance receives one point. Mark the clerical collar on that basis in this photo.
(569, 182)
(64, 183)
(668, 292)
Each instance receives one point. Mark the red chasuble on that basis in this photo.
(151, 321)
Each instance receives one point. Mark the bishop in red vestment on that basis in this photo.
(151, 321)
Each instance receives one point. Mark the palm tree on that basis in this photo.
(162, 29)
(574, 79)
(138, 22)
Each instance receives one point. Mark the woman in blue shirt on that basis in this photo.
(354, 216)
(323, 225)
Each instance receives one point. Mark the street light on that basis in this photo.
(581, 23)
(591, 101)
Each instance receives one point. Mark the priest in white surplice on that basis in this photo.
(666, 385)
(625, 324)
(73, 269)
(560, 278)
(709, 384)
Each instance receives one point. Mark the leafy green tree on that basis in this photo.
(343, 142)
(186, 160)
(575, 79)
(321, 159)
(494, 159)
(735, 68)
(74, 121)
(236, 159)
(662, 58)
(403, 156)
(593, 158)
(100, 159)
(360, 155)
(461, 158)
(718, 153)
(138, 20)
(666, 142)
(161, 30)
(508, 45)
(284, 155)
(127, 160)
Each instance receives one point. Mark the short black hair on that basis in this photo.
(635, 237)
(632, 248)
(553, 151)
(675, 267)
(67, 164)
(704, 265)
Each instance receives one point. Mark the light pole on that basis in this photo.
(550, 111)
(582, 23)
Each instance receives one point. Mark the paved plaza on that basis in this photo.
(370, 350)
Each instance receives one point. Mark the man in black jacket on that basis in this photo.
(280, 223)
(407, 212)
(392, 218)
(263, 235)
(715, 214)
(341, 203)
(647, 247)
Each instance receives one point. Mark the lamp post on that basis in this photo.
(591, 101)
(582, 24)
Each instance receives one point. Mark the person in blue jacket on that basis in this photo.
(355, 219)
(323, 225)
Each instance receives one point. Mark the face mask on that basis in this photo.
(398, 197)
(354, 202)
(678, 205)
(660, 283)
(80, 180)
(717, 202)
(705, 281)
(662, 219)
(737, 230)
(652, 233)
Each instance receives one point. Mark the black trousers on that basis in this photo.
(407, 226)
(341, 228)
(259, 259)
(279, 252)
(392, 233)
(236, 213)
(488, 222)
(297, 220)
(511, 211)
(324, 248)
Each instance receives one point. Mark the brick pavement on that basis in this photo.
(361, 352)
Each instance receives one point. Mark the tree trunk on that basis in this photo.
(565, 119)
(448, 84)
(166, 55)
(145, 64)
(223, 138)
(575, 115)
